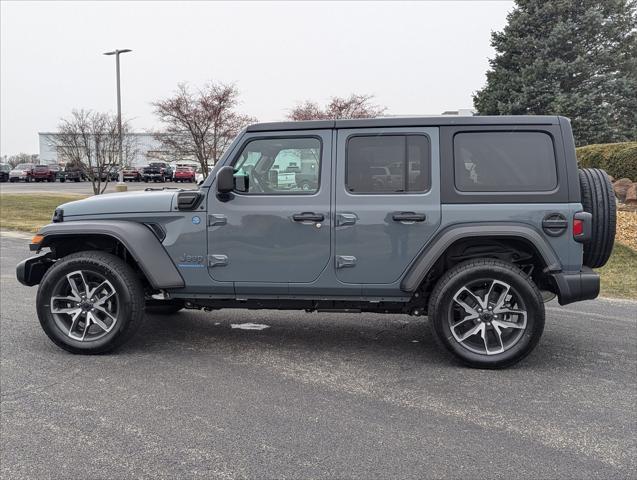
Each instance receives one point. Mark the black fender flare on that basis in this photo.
(419, 268)
(139, 240)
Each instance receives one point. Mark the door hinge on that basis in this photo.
(345, 261)
(343, 219)
(217, 219)
(217, 260)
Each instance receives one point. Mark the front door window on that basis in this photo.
(280, 166)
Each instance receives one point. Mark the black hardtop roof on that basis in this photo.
(434, 121)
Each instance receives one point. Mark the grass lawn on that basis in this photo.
(28, 212)
(619, 275)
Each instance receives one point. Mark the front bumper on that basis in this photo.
(30, 271)
(573, 287)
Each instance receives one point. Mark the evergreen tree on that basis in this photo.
(576, 58)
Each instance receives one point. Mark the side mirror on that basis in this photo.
(225, 179)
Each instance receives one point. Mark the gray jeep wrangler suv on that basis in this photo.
(474, 222)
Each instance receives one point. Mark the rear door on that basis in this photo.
(387, 198)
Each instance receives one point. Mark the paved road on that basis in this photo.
(315, 395)
(80, 187)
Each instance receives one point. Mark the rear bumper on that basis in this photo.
(573, 287)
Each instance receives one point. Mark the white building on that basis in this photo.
(148, 148)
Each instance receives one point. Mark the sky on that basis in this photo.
(416, 58)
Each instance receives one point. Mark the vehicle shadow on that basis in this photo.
(380, 334)
(379, 337)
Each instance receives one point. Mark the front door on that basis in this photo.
(275, 229)
(387, 201)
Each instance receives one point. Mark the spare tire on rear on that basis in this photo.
(598, 199)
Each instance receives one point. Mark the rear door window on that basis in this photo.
(504, 162)
(387, 164)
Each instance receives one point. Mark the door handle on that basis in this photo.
(408, 217)
(308, 217)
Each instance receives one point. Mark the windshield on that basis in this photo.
(24, 166)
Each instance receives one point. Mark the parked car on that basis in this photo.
(42, 173)
(73, 173)
(131, 174)
(59, 173)
(23, 171)
(496, 220)
(306, 181)
(157, 172)
(199, 176)
(4, 172)
(184, 174)
(106, 172)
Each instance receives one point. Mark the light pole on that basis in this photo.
(119, 111)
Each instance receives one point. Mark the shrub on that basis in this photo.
(618, 159)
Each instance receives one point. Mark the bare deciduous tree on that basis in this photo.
(354, 106)
(90, 141)
(200, 124)
(14, 160)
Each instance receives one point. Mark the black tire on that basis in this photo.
(164, 307)
(443, 308)
(598, 199)
(129, 299)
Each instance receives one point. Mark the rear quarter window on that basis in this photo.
(502, 161)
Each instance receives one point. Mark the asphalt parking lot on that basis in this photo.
(83, 188)
(314, 395)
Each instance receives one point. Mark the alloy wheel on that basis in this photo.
(85, 305)
(488, 317)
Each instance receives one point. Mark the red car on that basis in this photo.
(131, 174)
(184, 174)
(42, 173)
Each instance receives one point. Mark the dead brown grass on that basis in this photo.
(627, 228)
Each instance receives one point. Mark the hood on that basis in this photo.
(129, 202)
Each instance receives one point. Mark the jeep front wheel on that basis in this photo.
(487, 313)
(90, 302)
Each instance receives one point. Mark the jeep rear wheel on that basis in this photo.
(598, 199)
(90, 302)
(487, 313)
